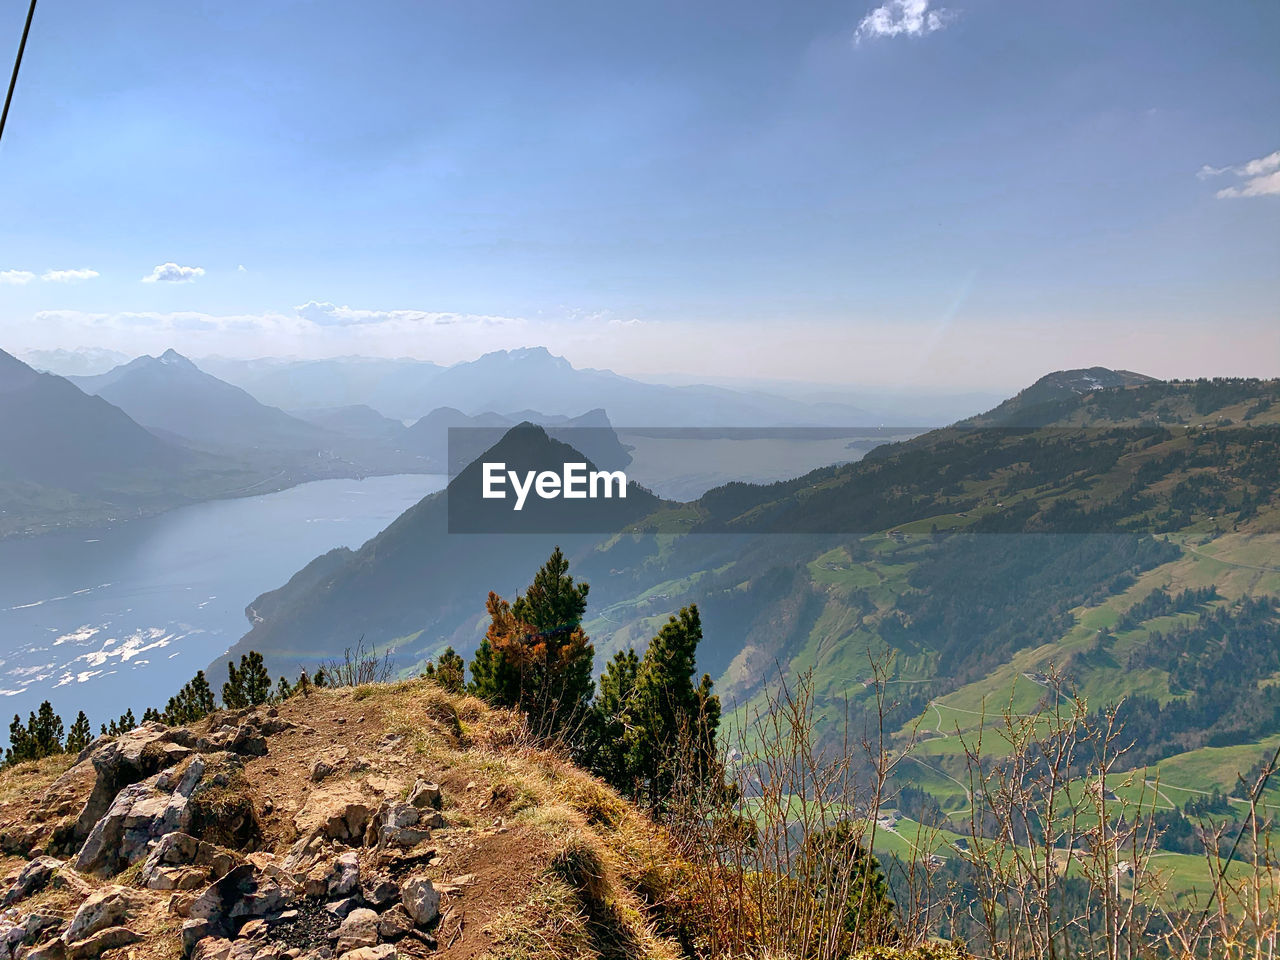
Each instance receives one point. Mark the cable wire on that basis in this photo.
(13, 80)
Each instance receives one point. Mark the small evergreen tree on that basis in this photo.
(249, 685)
(126, 722)
(651, 723)
(193, 702)
(20, 746)
(80, 735)
(284, 690)
(605, 749)
(151, 715)
(39, 737)
(45, 731)
(535, 655)
(449, 672)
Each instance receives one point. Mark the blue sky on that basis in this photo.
(964, 194)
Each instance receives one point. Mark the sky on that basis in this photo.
(964, 194)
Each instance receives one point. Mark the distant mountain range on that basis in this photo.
(72, 458)
(513, 380)
(171, 396)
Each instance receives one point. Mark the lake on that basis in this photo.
(121, 617)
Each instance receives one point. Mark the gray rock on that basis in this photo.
(193, 931)
(108, 907)
(124, 760)
(211, 948)
(341, 908)
(395, 923)
(421, 900)
(37, 925)
(425, 795)
(35, 876)
(383, 951)
(181, 862)
(143, 813)
(359, 929)
(107, 939)
(345, 876)
(380, 892)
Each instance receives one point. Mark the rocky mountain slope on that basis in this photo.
(363, 823)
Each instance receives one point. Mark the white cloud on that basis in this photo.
(911, 18)
(1261, 177)
(241, 269)
(16, 277)
(325, 314)
(68, 276)
(172, 273)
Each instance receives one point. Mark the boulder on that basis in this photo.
(142, 813)
(38, 925)
(182, 862)
(222, 896)
(397, 824)
(212, 948)
(395, 923)
(359, 929)
(344, 878)
(379, 891)
(425, 795)
(53, 949)
(421, 900)
(33, 878)
(383, 951)
(109, 907)
(341, 908)
(337, 818)
(124, 760)
(106, 939)
(193, 931)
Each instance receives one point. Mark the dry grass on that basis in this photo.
(22, 779)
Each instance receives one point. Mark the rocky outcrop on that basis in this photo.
(143, 813)
(173, 804)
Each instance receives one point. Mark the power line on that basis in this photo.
(13, 80)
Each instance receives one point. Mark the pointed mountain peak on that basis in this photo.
(173, 358)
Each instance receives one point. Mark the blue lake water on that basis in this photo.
(109, 619)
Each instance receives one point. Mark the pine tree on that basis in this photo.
(449, 672)
(20, 746)
(605, 749)
(40, 737)
(193, 702)
(284, 690)
(46, 731)
(248, 686)
(535, 655)
(79, 736)
(651, 722)
(126, 722)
